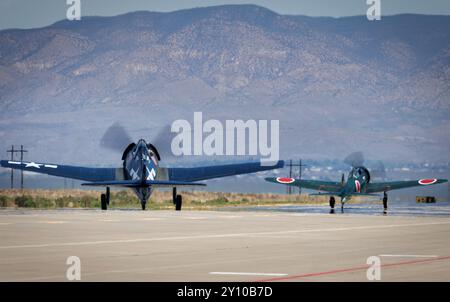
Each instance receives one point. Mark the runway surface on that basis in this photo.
(128, 245)
(396, 208)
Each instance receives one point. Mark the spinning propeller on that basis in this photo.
(377, 169)
(117, 138)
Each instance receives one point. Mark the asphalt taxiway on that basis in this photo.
(128, 245)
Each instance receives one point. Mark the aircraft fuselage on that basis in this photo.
(141, 164)
(357, 181)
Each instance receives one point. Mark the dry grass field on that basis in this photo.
(64, 198)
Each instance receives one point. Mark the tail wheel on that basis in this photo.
(385, 202)
(103, 202)
(178, 202)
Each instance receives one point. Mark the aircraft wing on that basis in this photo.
(75, 172)
(327, 186)
(394, 185)
(116, 174)
(210, 172)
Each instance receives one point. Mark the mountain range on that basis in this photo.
(337, 85)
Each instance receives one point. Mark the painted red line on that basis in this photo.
(352, 269)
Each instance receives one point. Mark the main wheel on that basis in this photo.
(385, 202)
(108, 195)
(178, 202)
(174, 194)
(332, 202)
(143, 206)
(103, 202)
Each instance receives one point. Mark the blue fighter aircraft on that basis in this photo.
(141, 172)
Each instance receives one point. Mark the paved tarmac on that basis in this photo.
(134, 245)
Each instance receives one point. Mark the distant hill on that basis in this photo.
(337, 85)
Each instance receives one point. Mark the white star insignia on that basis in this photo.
(34, 165)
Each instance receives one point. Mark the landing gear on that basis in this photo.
(104, 199)
(143, 205)
(103, 202)
(343, 201)
(178, 203)
(385, 202)
(332, 202)
(177, 199)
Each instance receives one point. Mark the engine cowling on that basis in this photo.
(127, 150)
(153, 148)
(362, 172)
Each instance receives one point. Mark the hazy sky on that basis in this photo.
(38, 13)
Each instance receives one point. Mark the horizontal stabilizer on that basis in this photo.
(364, 194)
(326, 194)
(139, 184)
(346, 194)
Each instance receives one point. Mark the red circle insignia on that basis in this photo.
(285, 180)
(427, 181)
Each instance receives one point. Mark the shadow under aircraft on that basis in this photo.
(140, 170)
(358, 183)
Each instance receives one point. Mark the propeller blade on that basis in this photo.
(378, 171)
(355, 159)
(115, 138)
(162, 141)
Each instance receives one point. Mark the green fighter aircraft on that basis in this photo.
(358, 184)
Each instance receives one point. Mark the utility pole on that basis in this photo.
(12, 170)
(300, 175)
(289, 188)
(22, 151)
(13, 151)
(299, 165)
